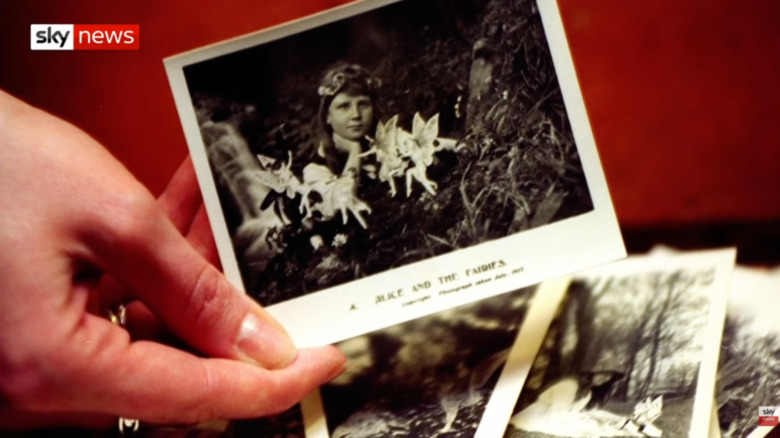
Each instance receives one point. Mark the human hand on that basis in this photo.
(71, 216)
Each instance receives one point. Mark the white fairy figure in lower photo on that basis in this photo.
(561, 410)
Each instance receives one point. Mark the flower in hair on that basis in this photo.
(335, 80)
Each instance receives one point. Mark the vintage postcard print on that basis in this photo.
(436, 375)
(633, 351)
(387, 160)
(749, 366)
(749, 371)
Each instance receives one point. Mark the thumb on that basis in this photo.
(134, 241)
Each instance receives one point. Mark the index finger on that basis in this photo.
(160, 384)
(133, 240)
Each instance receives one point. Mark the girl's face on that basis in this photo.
(351, 116)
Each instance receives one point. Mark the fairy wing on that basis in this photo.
(389, 145)
(425, 134)
(316, 174)
(265, 161)
(386, 138)
(268, 179)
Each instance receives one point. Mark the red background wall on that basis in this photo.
(682, 96)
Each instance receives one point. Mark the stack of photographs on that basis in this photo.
(634, 348)
(416, 182)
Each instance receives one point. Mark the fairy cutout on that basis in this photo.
(401, 152)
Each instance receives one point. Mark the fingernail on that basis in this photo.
(337, 371)
(264, 343)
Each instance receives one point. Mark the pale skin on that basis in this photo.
(79, 233)
(350, 117)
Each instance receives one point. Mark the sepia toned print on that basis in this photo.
(387, 159)
(749, 369)
(632, 353)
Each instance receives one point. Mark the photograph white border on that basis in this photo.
(523, 259)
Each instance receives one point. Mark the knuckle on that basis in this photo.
(127, 215)
(208, 298)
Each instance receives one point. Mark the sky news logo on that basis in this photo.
(768, 415)
(85, 37)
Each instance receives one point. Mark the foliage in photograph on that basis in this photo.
(481, 69)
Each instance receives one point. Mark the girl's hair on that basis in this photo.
(342, 76)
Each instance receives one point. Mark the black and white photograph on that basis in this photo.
(632, 353)
(385, 151)
(749, 371)
(434, 376)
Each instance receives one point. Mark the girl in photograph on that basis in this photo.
(347, 116)
(346, 119)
